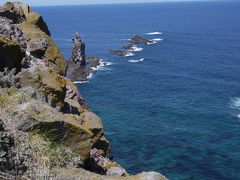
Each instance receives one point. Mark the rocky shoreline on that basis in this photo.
(46, 128)
(131, 47)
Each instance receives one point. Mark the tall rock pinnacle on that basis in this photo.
(78, 52)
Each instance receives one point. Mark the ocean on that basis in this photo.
(173, 107)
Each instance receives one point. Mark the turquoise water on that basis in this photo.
(178, 111)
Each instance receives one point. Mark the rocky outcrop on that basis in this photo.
(13, 13)
(80, 66)
(50, 85)
(78, 52)
(74, 173)
(129, 47)
(76, 72)
(24, 37)
(138, 39)
(46, 129)
(119, 52)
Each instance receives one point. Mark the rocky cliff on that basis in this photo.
(46, 128)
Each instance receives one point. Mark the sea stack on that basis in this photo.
(78, 52)
(80, 67)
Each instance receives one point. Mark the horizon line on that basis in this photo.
(122, 3)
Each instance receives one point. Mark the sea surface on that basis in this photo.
(174, 107)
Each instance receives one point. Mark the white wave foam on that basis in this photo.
(136, 61)
(129, 54)
(154, 33)
(151, 43)
(154, 41)
(235, 103)
(103, 65)
(136, 49)
(157, 39)
(90, 76)
(80, 82)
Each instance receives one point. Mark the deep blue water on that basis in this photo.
(178, 111)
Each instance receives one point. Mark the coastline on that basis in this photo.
(40, 106)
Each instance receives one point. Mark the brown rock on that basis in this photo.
(50, 85)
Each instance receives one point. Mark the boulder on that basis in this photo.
(50, 85)
(75, 173)
(150, 176)
(37, 47)
(9, 11)
(100, 163)
(93, 122)
(116, 171)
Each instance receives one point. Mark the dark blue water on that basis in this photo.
(176, 112)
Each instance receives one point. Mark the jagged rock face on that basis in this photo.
(50, 85)
(27, 32)
(15, 14)
(78, 52)
(100, 163)
(37, 47)
(23, 110)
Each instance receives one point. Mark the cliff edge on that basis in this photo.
(46, 128)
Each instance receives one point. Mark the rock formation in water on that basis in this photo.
(78, 52)
(80, 66)
(119, 53)
(129, 47)
(46, 128)
(138, 39)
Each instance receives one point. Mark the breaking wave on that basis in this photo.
(103, 64)
(129, 54)
(235, 104)
(154, 33)
(157, 39)
(136, 61)
(136, 49)
(80, 82)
